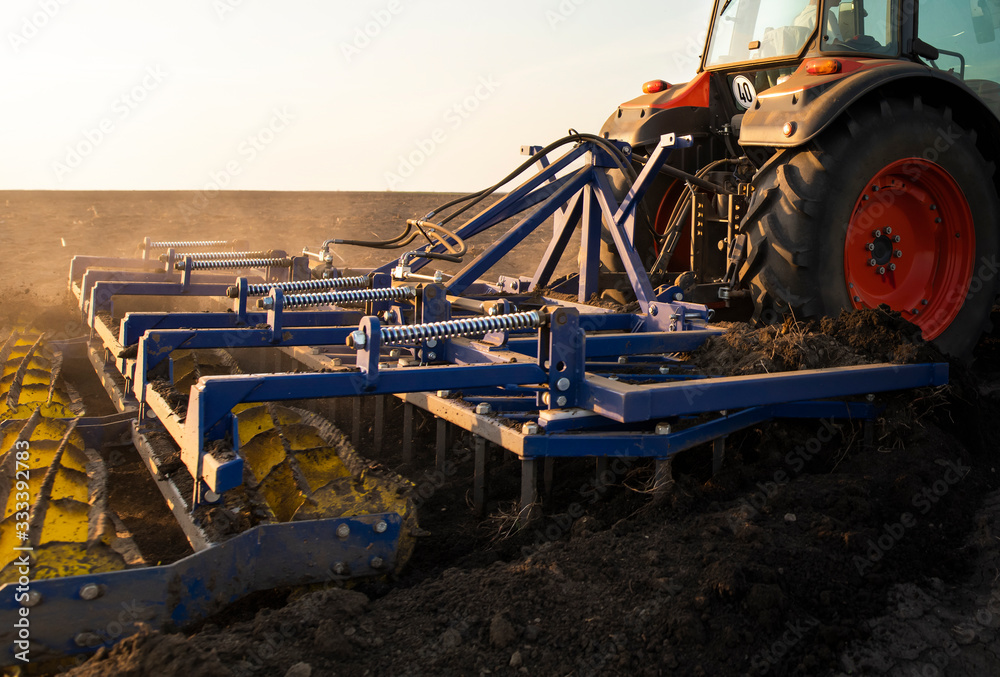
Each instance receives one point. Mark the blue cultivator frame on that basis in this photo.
(540, 376)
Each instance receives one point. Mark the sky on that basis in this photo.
(406, 95)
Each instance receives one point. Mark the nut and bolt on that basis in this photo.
(872, 262)
(34, 598)
(881, 270)
(888, 230)
(377, 562)
(443, 393)
(870, 246)
(898, 253)
(90, 591)
(653, 310)
(663, 429)
(394, 353)
(895, 238)
(357, 340)
(343, 531)
(431, 356)
(877, 233)
(266, 303)
(664, 370)
(380, 527)
(339, 568)
(561, 401)
(530, 428)
(483, 408)
(622, 360)
(563, 384)
(87, 639)
(892, 266)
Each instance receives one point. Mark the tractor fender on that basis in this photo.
(800, 108)
(682, 109)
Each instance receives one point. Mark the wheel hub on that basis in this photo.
(910, 245)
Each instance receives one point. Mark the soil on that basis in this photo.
(810, 553)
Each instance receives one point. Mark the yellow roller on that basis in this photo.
(52, 488)
(300, 467)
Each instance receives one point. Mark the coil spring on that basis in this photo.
(463, 327)
(236, 263)
(344, 297)
(188, 244)
(359, 282)
(216, 256)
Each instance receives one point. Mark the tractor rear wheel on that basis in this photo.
(897, 206)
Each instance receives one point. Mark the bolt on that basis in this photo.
(90, 591)
(343, 531)
(443, 393)
(563, 384)
(864, 198)
(380, 527)
(872, 262)
(888, 230)
(561, 401)
(875, 188)
(923, 302)
(877, 234)
(895, 238)
(483, 408)
(678, 296)
(664, 370)
(394, 353)
(266, 303)
(916, 311)
(622, 360)
(870, 246)
(892, 266)
(937, 220)
(87, 639)
(857, 299)
(432, 343)
(494, 311)
(898, 253)
(431, 356)
(211, 497)
(881, 270)
(438, 277)
(653, 310)
(663, 429)
(357, 340)
(376, 562)
(339, 568)
(34, 598)
(530, 428)
(870, 397)
(386, 316)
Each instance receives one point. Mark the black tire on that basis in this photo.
(805, 199)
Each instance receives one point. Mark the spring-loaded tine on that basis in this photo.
(236, 263)
(358, 282)
(215, 256)
(347, 296)
(461, 327)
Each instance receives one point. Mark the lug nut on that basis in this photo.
(895, 238)
(483, 408)
(870, 246)
(892, 266)
(380, 527)
(872, 262)
(343, 531)
(881, 270)
(877, 234)
(888, 230)
(898, 253)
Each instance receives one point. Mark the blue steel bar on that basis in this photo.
(627, 403)
(179, 594)
(136, 324)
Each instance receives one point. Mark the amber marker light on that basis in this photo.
(822, 66)
(655, 87)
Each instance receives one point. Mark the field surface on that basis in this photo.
(809, 554)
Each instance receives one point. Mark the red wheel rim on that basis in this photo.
(911, 245)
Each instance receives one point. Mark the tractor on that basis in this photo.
(852, 150)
